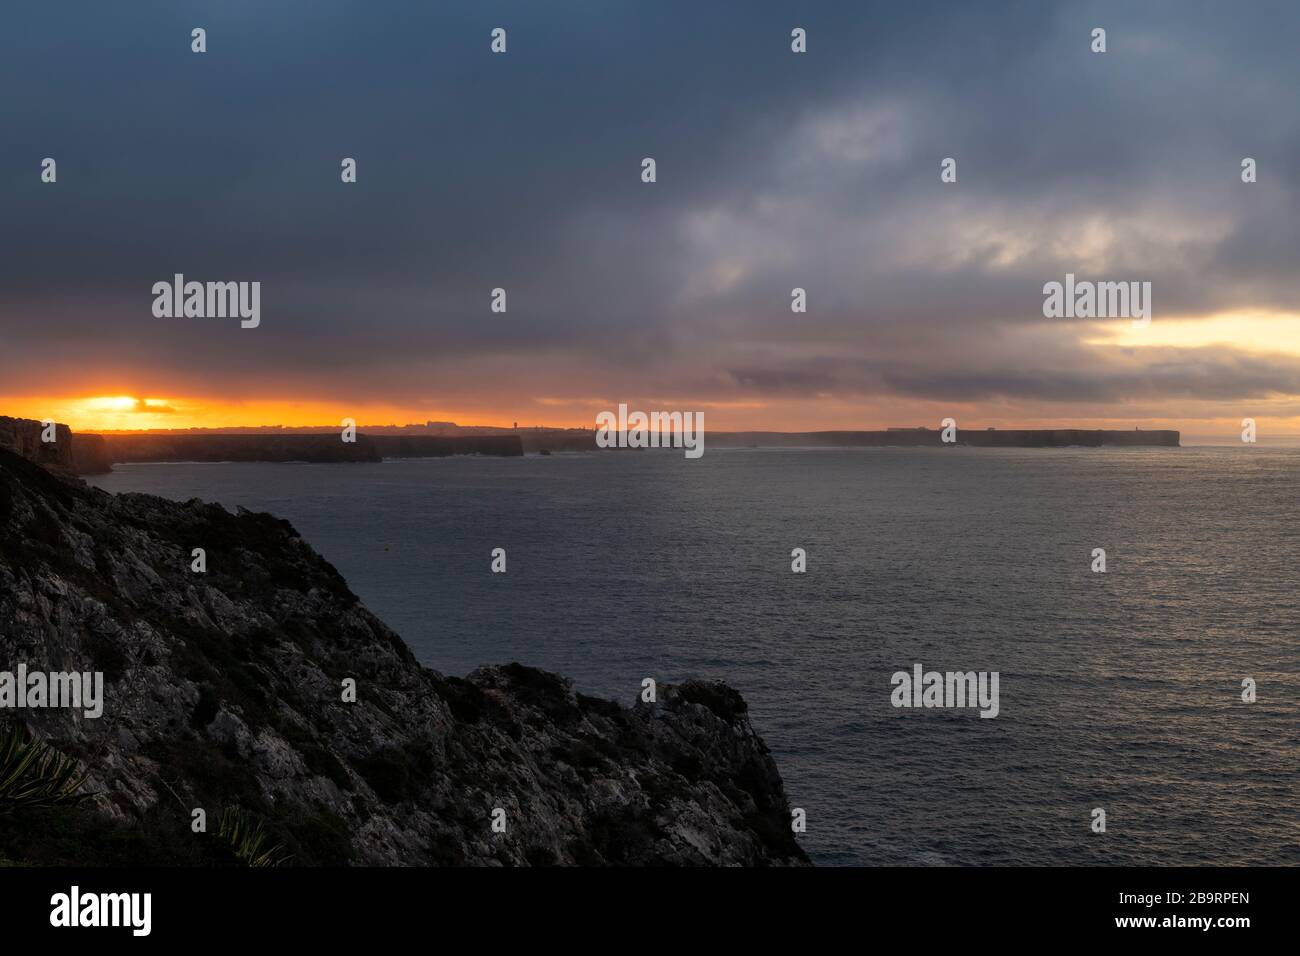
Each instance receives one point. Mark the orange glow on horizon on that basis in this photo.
(127, 413)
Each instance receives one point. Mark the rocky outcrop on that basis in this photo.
(26, 437)
(229, 687)
(67, 453)
(90, 455)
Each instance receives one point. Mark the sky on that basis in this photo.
(775, 170)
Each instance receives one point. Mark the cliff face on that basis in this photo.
(22, 436)
(90, 455)
(68, 453)
(325, 447)
(311, 448)
(226, 688)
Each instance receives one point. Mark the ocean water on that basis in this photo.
(1119, 690)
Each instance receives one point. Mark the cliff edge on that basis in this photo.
(66, 453)
(225, 689)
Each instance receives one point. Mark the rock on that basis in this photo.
(226, 688)
(67, 454)
(90, 455)
(23, 436)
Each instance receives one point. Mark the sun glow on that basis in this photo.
(1248, 331)
(100, 413)
(118, 403)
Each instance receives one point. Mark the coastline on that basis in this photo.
(261, 683)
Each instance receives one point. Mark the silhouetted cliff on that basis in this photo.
(90, 455)
(225, 689)
(23, 436)
(324, 447)
(438, 446)
(933, 437)
(182, 447)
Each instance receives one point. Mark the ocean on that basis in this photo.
(1119, 690)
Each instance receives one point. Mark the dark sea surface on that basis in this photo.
(1119, 690)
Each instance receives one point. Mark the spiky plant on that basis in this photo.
(35, 775)
(248, 839)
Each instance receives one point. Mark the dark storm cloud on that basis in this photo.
(775, 170)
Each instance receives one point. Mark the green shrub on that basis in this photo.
(247, 838)
(33, 774)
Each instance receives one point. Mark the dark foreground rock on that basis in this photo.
(224, 689)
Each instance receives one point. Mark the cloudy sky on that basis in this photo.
(775, 170)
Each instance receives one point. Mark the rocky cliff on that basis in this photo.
(185, 447)
(227, 688)
(90, 455)
(26, 437)
(67, 453)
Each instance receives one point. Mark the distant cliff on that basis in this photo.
(933, 437)
(182, 447)
(226, 689)
(554, 439)
(326, 447)
(90, 455)
(67, 453)
(439, 446)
